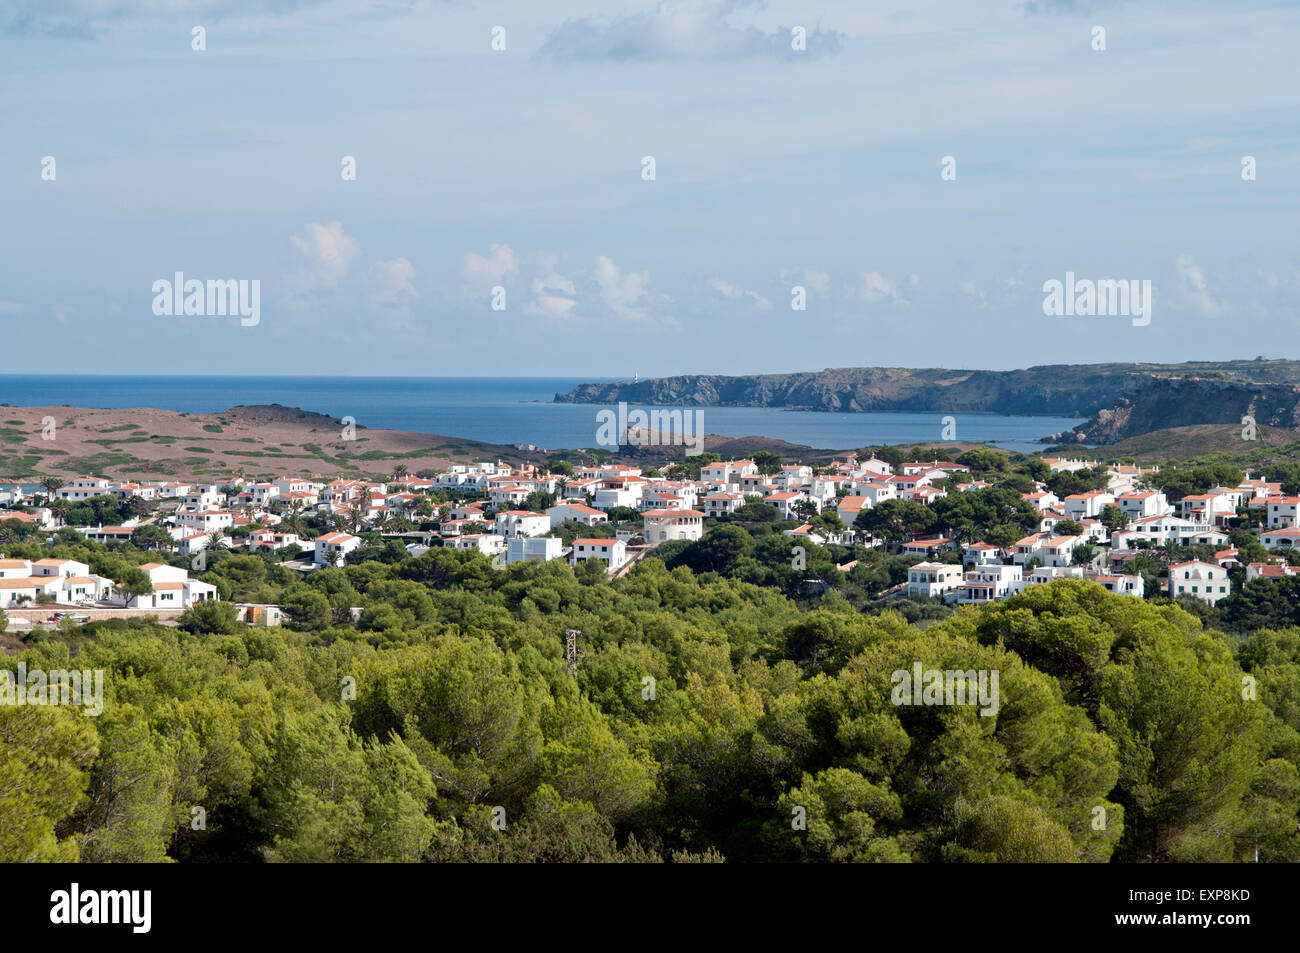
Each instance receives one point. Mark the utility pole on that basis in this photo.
(571, 651)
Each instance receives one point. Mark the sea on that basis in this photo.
(506, 410)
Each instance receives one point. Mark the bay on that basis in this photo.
(508, 410)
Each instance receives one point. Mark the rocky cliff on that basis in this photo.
(1121, 400)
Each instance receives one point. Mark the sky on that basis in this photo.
(524, 168)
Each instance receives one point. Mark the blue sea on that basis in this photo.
(509, 410)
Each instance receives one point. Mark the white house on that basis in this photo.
(206, 521)
(508, 494)
(1283, 511)
(59, 567)
(1205, 581)
(1058, 551)
(609, 497)
(1270, 571)
(1121, 585)
(794, 476)
(15, 591)
(82, 489)
(1138, 506)
(578, 512)
(489, 544)
(982, 554)
(988, 584)
(172, 589)
(521, 549)
(330, 544)
(1207, 507)
(722, 504)
(613, 552)
(786, 501)
(1080, 506)
(930, 546)
(729, 472)
(521, 523)
(1042, 500)
(927, 580)
(655, 499)
(850, 506)
(663, 525)
(1028, 548)
(1280, 538)
(1158, 530)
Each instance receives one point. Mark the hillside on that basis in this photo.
(1184, 443)
(149, 444)
(1121, 400)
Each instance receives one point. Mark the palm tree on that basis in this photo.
(399, 473)
(51, 484)
(294, 521)
(60, 509)
(352, 518)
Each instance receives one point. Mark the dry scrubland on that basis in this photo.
(142, 443)
(148, 444)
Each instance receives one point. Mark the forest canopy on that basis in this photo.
(710, 718)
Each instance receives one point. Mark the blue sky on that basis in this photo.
(522, 168)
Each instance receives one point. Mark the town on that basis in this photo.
(616, 513)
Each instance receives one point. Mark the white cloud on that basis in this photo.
(970, 290)
(86, 19)
(728, 290)
(554, 296)
(479, 275)
(876, 288)
(818, 282)
(392, 280)
(624, 292)
(326, 255)
(681, 29)
(1195, 290)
